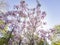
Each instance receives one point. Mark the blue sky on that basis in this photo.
(52, 8)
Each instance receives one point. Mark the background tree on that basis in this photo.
(57, 28)
(56, 37)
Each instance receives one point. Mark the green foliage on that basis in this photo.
(56, 40)
(56, 43)
(57, 28)
(41, 42)
(4, 40)
(1, 22)
(56, 37)
(6, 35)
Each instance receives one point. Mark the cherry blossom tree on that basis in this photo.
(23, 23)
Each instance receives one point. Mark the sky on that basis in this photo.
(51, 7)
